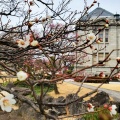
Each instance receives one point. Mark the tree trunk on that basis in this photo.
(56, 89)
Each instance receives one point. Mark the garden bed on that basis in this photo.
(94, 79)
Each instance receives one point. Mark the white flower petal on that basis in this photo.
(2, 107)
(27, 37)
(113, 112)
(114, 106)
(34, 43)
(10, 96)
(90, 109)
(12, 101)
(91, 36)
(8, 108)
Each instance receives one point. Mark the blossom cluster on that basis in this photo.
(111, 108)
(26, 41)
(6, 101)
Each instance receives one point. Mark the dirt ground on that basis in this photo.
(67, 88)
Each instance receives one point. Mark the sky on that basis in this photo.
(112, 6)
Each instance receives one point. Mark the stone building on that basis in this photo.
(110, 37)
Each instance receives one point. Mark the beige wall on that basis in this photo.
(113, 43)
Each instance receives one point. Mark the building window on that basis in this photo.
(94, 58)
(106, 35)
(100, 57)
(106, 63)
(101, 35)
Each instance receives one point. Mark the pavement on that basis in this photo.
(112, 93)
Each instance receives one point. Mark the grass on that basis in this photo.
(37, 88)
(47, 87)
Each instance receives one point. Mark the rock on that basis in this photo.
(10, 85)
(99, 99)
(48, 99)
(76, 107)
(53, 112)
(60, 109)
(60, 99)
(28, 113)
(21, 90)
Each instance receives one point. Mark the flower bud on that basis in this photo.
(29, 10)
(102, 75)
(34, 43)
(95, 1)
(107, 21)
(98, 41)
(106, 25)
(30, 24)
(92, 5)
(99, 29)
(36, 20)
(92, 47)
(110, 108)
(105, 105)
(31, 3)
(118, 59)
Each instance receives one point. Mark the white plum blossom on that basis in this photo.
(90, 107)
(113, 110)
(22, 43)
(21, 75)
(7, 102)
(34, 43)
(4, 93)
(25, 42)
(91, 36)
